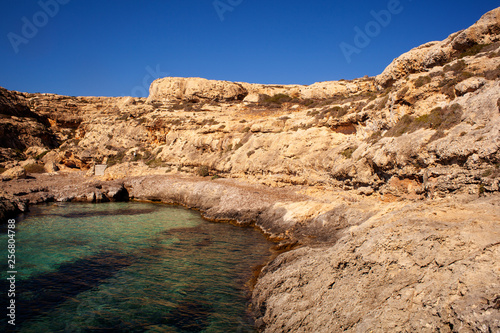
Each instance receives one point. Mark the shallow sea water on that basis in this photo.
(130, 267)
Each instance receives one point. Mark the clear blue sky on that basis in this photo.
(117, 47)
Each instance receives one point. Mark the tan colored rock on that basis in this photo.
(253, 98)
(51, 167)
(176, 88)
(15, 173)
(126, 101)
(51, 157)
(485, 31)
(470, 85)
(29, 161)
(440, 266)
(328, 89)
(35, 151)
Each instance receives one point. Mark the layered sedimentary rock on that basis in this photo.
(483, 32)
(177, 88)
(389, 185)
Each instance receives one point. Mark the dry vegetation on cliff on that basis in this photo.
(360, 155)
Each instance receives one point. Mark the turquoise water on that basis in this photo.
(130, 267)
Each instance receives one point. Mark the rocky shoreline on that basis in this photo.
(356, 263)
(383, 190)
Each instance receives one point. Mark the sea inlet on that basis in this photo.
(129, 267)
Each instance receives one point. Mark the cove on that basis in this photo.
(130, 267)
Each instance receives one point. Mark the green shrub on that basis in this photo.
(312, 113)
(19, 155)
(439, 119)
(492, 74)
(278, 98)
(155, 163)
(275, 101)
(203, 171)
(401, 127)
(448, 88)
(209, 122)
(115, 159)
(349, 151)
(473, 50)
(481, 190)
(338, 111)
(35, 168)
(492, 173)
(456, 67)
(422, 81)
(40, 156)
(123, 117)
(137, 157)
(374, 137)
(383, 103)
(436, 136)
(214, 177)
(307, 102)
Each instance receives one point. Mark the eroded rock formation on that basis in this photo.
(389, 185)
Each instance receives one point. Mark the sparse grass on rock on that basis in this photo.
(439, 119)
(35, 168)
(347, 153)
(203, 171)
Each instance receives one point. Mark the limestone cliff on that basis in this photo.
(484, 32)
(389, 183)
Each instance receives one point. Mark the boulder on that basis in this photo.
(365, 191)
(29, 161)
(15, 173)
(469, 85)
(35, 151)
(187, 89)
(51, 156)
(51, 167)
(254, 98)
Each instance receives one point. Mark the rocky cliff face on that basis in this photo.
(359, 156)
(484, 32)
(20, 127)
(433, 132)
